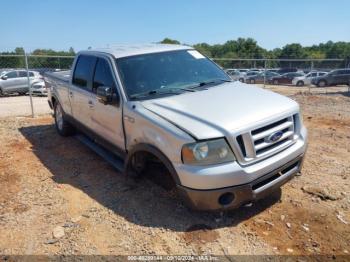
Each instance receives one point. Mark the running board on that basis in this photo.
(111, 158)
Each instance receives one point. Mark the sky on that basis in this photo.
(60, 24)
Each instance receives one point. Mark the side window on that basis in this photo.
(22, 74)
(83, 71)
(103, 75)
(313, 74)
(12, 74)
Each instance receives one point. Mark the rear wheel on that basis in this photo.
(300, 83)
(322, 83)
(62, 126)
(241, 80)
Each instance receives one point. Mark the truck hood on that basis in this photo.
(221, 110)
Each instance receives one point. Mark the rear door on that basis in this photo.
(80, 93)
(107, 119)
(11, 83)
(345, 77)
(23, 80)
(336, 77)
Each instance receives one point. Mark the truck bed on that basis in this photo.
(60, 75)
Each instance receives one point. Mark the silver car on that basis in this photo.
(306, 79)
(15, 81)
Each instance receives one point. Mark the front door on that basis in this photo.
(11, 83)
(107, 119)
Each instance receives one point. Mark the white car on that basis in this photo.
(39, 89)
(306, 79)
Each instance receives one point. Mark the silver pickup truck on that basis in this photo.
(223, 143)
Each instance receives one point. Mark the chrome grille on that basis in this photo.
(256, 143)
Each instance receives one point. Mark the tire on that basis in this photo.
(322, 83)
(1, 93)
(252, 81)
(62, 126)
(300, 83)
(275, 82)
(241, 80)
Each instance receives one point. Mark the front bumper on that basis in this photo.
(41, 92)
(236, 196)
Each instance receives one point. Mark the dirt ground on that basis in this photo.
(14, 105)
(58, 197)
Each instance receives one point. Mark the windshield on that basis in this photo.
(175, 71)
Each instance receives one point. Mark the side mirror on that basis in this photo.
(4, 77)
(106, 95)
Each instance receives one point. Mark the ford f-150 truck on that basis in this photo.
(223, 143)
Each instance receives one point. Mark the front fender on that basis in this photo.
(157, 153)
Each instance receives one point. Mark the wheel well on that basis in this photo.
(147, 160)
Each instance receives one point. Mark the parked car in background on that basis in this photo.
(285, 78)
(39, 89)
(274, 70)
(243, 70)
(234, 74)
(15, 81)
(306, 79)
(335, 77)
(247, 75)
(282, 71)
(223, 143)
(261, 77)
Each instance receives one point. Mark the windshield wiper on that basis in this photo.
(209, 83)
(161, 91)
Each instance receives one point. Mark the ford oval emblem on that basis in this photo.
(274, 137)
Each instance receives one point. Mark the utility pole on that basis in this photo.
(28, 82)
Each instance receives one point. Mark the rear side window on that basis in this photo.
(103, 75)
(22, 74)
(83, 71)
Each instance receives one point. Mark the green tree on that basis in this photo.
(170, 41)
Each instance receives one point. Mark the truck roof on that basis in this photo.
(119, 51)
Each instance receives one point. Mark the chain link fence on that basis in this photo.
(305, 65)
(24, 75)
(29, 69)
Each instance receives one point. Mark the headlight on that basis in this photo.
(207, 153)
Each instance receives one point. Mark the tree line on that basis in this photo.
(240, 48)
(37, 59)
(243, 48)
